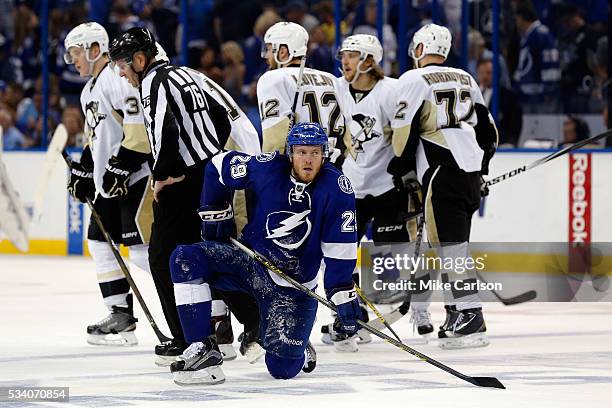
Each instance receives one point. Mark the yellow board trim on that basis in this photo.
(48, 247)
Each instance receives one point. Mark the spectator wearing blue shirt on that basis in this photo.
(538, 74)
(12, 138)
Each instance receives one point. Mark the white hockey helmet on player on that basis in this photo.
(85, 35)
(436, 40)
(161, 53)
(366, 45)
(291, 35)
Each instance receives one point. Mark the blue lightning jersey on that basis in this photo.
(294, 225)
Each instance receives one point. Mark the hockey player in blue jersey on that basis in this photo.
(304, 213)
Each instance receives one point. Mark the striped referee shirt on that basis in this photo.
(185, 124)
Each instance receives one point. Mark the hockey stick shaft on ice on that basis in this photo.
(478, 381)
(120, 261)
(548, 158)
(515, 300)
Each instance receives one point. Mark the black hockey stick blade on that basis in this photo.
(489, 382)
(522, 298)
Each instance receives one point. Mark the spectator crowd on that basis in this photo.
(553, 53)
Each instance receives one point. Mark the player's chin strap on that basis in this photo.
(91, 62)
(478, 381)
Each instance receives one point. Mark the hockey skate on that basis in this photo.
(222, 328)
(342, 342)
(116, 329)
(465, 329)
(363, 336)
(250, 347)
(199, 364)
(310, 359)
(421, 323)
(166, 353)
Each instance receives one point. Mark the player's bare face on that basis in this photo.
(125, 70)
(269, 57)
(306, 162)
(350, 60)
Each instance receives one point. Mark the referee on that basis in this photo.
(186, 127)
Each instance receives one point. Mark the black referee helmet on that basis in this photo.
(130, 42)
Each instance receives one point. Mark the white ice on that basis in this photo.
(546, 354)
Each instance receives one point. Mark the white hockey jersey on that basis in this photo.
(317, 102)
(113, 117)
(243, 136)
(370, 132)
(444, 99)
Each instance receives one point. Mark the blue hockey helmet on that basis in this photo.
(307, 134)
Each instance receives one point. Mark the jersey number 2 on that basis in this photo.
(348, 222)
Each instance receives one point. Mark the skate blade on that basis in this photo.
(228, 352)
(364, 337)
(326, 339)
(254, 353)
(164, 361)
(206, 376)
(470, 341)
(113, 340)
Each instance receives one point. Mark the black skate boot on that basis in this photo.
(222, 328)
(450, 309)
(167, 352)
(310, 361)
(465, 329)
(116, 329)
(200, 363)
(250, 346)
(421, 323)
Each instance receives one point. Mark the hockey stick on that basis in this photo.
(53, 154)
(548, 158)
(522, 298)
(381, 318)
(120, 261)
(478, 381)
(300, 81)
(14, 219)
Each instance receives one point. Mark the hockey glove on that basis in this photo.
(484, 190)
(398, 167)
(81, 184)
(217, 222)
(118, 171)
(348, 309)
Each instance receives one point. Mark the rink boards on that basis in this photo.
(565, 200)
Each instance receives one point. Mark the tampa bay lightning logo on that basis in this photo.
(287, 229)
(265, 157)
(345, 184)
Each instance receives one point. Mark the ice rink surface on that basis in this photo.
(547, 355)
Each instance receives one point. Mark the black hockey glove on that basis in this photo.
(119, 169)
(348, 309)
(484, 190)
(81, 184)
(217, 222)
(397, 168)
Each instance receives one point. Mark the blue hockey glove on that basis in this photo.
(217, 222)
(347, 304)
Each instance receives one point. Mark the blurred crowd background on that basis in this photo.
(553, 76)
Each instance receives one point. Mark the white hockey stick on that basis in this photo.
(14, 221)
(52, 157)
